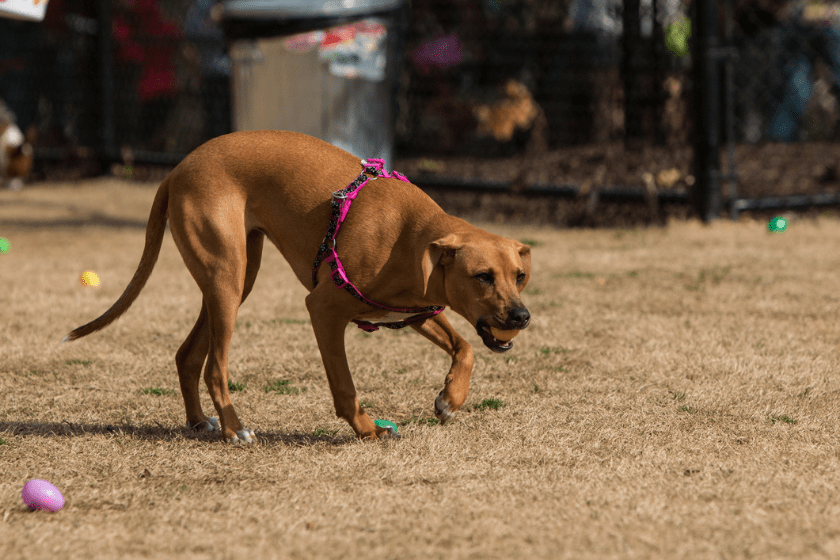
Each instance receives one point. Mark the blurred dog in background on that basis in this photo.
(15, 151)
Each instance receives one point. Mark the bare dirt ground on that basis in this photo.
(675, 397)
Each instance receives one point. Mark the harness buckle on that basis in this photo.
(324, 241)
(339, 195)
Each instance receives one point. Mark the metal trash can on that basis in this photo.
(327, 68)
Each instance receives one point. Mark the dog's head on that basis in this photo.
(482, 276)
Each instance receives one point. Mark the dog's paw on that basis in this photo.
(389, 433)
(442, 409)
(243, 436)
(209, 425)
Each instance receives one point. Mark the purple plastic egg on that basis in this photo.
(40, 494)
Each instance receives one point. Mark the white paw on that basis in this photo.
(442, 409)
(209, 425)
(390, 434)
(243, 436)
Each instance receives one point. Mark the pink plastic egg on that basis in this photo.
(40, 494)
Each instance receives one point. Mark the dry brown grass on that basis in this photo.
(676, 397)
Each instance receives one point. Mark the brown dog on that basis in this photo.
(398, 247)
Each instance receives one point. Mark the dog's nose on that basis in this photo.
(518, 318)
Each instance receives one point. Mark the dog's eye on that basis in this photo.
(484, 277)
(520, 278)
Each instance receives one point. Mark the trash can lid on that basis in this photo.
(304, 9)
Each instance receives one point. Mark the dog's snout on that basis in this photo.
(518, 318)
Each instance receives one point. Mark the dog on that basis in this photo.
(15, 152)
(403, 259)
(518, 111)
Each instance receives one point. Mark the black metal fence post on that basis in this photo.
(105, 59)
(632, 70)
(706, 194)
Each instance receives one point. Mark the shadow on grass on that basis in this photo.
(82, 217)
(91, 220)
(160, 433)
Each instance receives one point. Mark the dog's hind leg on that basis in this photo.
(222, 304)
(189, 360)
(193, 352)
(254, 248)
(215, 253)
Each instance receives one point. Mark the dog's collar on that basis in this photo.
(340, 206)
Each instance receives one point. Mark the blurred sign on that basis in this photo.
(828, 14)
(356, 50)
(30, 10)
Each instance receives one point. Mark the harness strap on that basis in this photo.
(339, 207)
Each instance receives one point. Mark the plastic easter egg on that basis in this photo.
(89, 278)
(40, 494)
(386, 424)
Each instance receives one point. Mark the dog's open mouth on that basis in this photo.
(491, 341)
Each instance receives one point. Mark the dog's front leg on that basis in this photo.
(329, 324)
(457, 383)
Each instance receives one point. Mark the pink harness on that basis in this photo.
(341, 201)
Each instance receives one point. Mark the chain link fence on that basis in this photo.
(162, 90)
(783, 119)
(587, 100)
(552, 73)
(573, 103)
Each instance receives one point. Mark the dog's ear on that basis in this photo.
(439, 252)
(525, 255)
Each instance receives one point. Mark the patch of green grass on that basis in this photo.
(4, 442)
(715, 275)
(621, 233)
(289, 321)
(158, 391)
(234, 386)
(678, 396)
(548, 350)
(687, 408)
(536, 388)
(782, 418)
(278, 321)
(574, 274)
(367, 404)
(421, 421)
(401, 371)
(324, 432)
(805, 393)
(78, 362)
(283, 387)
(490, 404)
(531, 242)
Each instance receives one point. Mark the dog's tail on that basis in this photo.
(154, 240)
